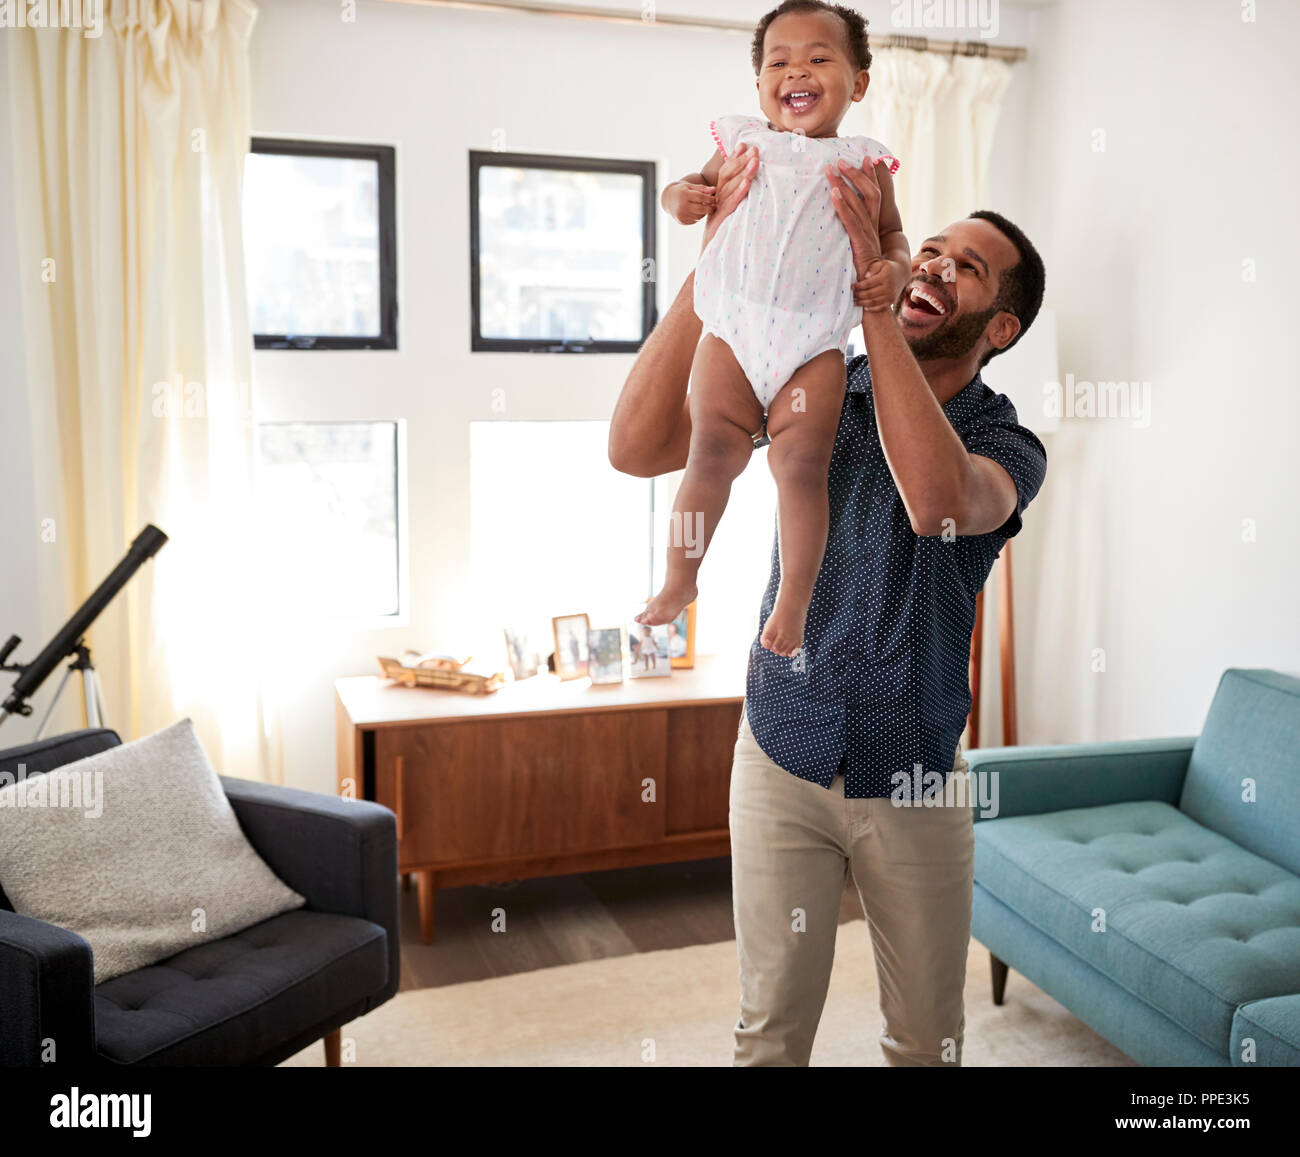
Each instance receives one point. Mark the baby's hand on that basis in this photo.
(881, 285)
(689, 203)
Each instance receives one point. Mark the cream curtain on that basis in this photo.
(938, 114)
(130, 153)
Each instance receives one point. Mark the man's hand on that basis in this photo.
(734, 179)
(855, 194)
(688, 203)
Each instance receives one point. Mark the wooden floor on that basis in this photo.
(567, 919)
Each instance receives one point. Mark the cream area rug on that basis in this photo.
(678, 1008)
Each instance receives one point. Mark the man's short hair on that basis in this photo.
(1020, 288)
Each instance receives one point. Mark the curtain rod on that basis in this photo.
(1010, 54)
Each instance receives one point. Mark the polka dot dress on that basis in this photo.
(882, 681)
(776, 281)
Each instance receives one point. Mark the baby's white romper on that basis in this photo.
(775, 283)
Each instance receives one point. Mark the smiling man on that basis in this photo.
(929, 477)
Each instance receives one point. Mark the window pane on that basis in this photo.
(560, 254)
(554, 529)
(327, 496)
(311, 240)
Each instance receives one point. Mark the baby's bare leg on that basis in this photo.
(801, 422)
(725, 415)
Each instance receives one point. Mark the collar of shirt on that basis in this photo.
(962, 403)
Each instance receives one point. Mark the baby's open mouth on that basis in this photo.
(800, 101)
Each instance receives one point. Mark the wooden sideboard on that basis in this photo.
(544, 777)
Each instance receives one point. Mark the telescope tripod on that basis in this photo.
(93, 710)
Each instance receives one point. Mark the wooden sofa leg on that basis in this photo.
(999, 971)
(334, 1049)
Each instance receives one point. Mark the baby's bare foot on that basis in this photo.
(783, 631)
(667, 604)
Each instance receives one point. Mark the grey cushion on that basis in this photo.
(152, 862)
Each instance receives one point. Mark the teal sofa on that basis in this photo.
(1153, 887)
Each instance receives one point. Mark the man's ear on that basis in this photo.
(1002, 329)
(860, 83)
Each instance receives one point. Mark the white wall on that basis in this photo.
(437, 83)
(1141, 551)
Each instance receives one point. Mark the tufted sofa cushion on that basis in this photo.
(220, 1002)
(1194, 924)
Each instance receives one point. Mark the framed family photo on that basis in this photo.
(523, 656)
(571, 653)
(648, 650)
(605, 655)
(681, 638)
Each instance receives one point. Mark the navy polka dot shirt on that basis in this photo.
(882, 682)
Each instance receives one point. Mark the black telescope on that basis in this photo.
(69, 642)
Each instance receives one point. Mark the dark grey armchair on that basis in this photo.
(254, 998)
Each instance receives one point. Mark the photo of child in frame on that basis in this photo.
(648, 649)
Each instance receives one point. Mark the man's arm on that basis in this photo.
(885, 277)
(943, 485)
(650, 429)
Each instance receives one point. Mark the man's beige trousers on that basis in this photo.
(794, 844)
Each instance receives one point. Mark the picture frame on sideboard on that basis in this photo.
(681, 638)
(571, 653)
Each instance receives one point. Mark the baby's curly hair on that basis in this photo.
(855, 29)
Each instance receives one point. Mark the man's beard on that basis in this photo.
(953, 339)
